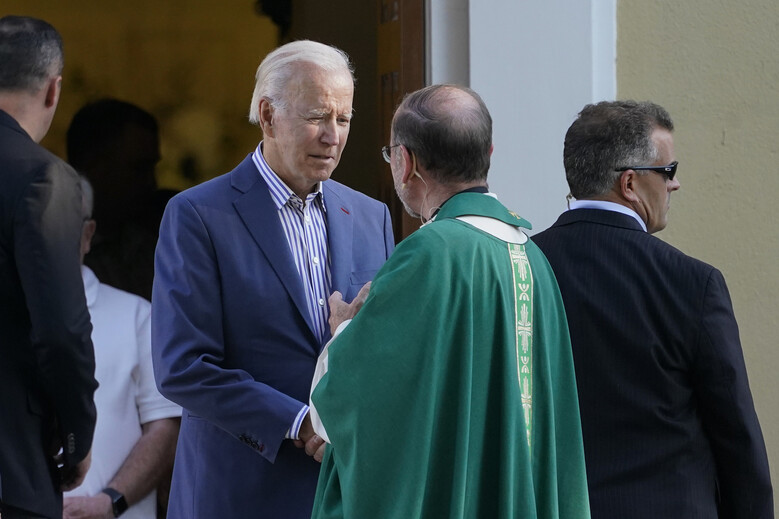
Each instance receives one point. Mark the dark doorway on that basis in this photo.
(385, 39)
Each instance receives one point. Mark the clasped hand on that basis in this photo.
(340, 310)
(310, 441)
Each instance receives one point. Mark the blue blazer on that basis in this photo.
(669, 426)
(233, 343)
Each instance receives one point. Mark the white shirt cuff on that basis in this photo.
(294, 431)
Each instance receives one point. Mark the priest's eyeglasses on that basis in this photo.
(386, 152)
(669, 171)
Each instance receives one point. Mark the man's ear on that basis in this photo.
(409, 164)
(87, 233)
(266, 117)
(53, 91)
(627, 185)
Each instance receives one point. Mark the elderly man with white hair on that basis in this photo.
(244, 267)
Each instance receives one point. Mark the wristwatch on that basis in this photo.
(118, 502)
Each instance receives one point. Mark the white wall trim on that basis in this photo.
(447, 42)
(604, 50)
(535, 64)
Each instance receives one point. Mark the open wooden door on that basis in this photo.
(386, 40)
(401, 69)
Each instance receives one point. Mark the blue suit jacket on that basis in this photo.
(667, 416)
(233, 344)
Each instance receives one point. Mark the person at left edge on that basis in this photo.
(47, 364)
(244, 266)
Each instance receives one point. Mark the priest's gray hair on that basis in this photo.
(30, 54)
(449, 130)
(610, 135)
(274, 72)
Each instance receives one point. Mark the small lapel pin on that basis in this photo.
(344, 210)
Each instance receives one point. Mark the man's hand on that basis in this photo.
(314, 445)
(340, 311)
(95, 507)
(72, 476)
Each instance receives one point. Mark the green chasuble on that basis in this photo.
(452, 393)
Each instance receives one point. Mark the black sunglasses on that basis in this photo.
(669, 171)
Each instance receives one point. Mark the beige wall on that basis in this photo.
(715, 66)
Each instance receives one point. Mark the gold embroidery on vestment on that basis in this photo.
(523, 316)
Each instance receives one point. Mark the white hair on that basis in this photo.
(275, 70)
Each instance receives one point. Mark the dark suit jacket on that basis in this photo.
(669, 426)
(46, 359)
(232, 340)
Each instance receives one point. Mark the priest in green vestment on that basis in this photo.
(451, 392)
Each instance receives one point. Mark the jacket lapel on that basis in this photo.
(340, 222)
(260, 215)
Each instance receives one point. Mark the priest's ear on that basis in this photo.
(409, 164)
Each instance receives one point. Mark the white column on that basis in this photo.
(447, 42)
(536, 64)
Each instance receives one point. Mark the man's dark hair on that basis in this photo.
(606, 136)
(30, 53)
(100, 123)
(450, 139)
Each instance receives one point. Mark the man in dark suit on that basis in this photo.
(244, 267)
(669, 425)
(46, 359)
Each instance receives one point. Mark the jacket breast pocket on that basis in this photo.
(357, 280)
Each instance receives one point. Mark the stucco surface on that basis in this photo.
(715, 66)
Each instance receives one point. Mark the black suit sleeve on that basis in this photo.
(47, 232)
(728, 412)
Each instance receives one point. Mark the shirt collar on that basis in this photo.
(279, 191)
(606, 206)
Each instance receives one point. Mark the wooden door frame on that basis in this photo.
(401, 69)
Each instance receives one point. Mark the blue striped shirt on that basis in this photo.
(305, 226)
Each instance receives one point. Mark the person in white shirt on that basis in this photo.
(137, 428)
